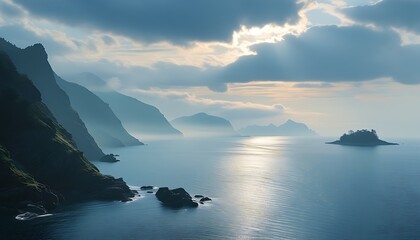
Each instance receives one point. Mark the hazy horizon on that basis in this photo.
(333, 65)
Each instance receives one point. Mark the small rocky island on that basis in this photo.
(178, 198)
(361, 138)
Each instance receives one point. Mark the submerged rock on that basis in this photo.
(175, 198)
(198, 196)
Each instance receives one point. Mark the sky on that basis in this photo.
(335, 65)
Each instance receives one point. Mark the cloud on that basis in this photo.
(389, 13)
(313, 85)
(9, 10)
(108, 40)
(329, 54)
(326, 54)
(178, 21)
(161, 74)
(22, 38)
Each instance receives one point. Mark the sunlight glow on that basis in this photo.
(252, 158)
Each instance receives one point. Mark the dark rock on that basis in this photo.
(149, 191)
(205, 199)
(175, 198)
(198, 196)
(19, 198)
(109, 158)
(51, 200)
(112, 193)
(146, 187)
(116, 189)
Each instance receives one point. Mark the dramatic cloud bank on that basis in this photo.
(389, 13)
(178, 21)
(323, 54)
(329, 54)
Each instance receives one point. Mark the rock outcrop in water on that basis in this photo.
(148, 187)
(39, 161)
(176, 198)
(361, 138)
(109, 158)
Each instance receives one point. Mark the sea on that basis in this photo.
(261, 188)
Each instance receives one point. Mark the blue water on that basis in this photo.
(262, 188)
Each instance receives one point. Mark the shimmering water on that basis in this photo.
(262, 188)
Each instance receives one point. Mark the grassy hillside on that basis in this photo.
(37, 152)
(33, 62)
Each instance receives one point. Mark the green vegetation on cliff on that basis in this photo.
(362, 137)
(37, 152)
(33, 62)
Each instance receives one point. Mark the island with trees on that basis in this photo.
(362, 137)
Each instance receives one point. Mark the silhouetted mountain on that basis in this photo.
(100, 120)
(140, 119)
(204, 125)
(38, 158)
(32, 61)
(290, 128)
(363, 137)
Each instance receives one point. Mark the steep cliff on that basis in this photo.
(38, 159)
(33, 62)
(100, 120)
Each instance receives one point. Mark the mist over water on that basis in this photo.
(262, 187)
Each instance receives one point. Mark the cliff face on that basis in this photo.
(36, 152)
(140, 119)
(204, 125)
(33, 62)
(100, 120)
(16, 186)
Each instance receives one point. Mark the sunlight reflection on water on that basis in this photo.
(262, 188)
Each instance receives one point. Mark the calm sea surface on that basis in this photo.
(262, 188)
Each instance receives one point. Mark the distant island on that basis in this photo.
(289, 128)
(204, 125)
(362, 137)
